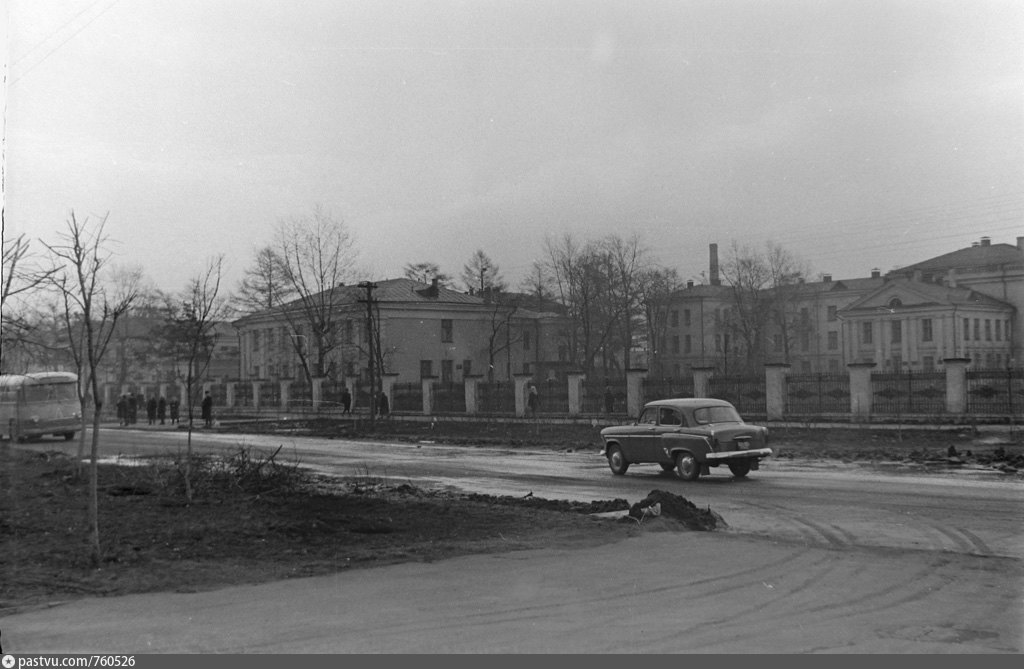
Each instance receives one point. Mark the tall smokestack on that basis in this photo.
(714, 265)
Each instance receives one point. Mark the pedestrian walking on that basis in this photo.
(609, 399)
(174, 406)
(346, 401)
(208, 410)
(533, 401)
(161, 409)
(133, 409)
(383, 407)
(122, 410)
(151, 410)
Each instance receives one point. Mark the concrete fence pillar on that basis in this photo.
(387, 386)
(229, 393)
(635, 391)
(470, 384)
(575, 381)
(702, 381)
(427, 394)
(956, 384)
(775, 390)
(520, 382)
(285, 394)
(256, 394)
(317, 391)
(861, 397)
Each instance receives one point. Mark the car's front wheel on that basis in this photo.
(687, 466)
(617, 461)
(740, 469)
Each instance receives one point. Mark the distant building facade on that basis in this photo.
(423, 330)
(964, 304)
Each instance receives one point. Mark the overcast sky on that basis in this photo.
(857, 134)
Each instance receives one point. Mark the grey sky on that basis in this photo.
(857, 134)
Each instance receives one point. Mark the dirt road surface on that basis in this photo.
(662, 592)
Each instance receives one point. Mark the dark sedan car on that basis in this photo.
(688, 435)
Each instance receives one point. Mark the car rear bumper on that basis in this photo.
(723, 456)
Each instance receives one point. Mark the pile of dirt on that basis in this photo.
(670, 505)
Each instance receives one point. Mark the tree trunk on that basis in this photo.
(94, 508)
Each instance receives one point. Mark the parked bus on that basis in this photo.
(33, 405)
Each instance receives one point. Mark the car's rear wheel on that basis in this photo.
(687, 466)
(739, 469)
(617, 461)
(69, 436)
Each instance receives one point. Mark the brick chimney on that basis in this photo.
(986, 241)
(1020, 243)
(827, 278)
(713, 250)
(876, 273)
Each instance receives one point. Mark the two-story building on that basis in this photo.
(422, 330)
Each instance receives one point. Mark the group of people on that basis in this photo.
(129, 405)
(383, 404)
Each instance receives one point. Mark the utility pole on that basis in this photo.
(369, 286)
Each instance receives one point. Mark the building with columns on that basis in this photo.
(968, 303)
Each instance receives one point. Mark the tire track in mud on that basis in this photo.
(791, 615)
(933, 536)
(610, 606)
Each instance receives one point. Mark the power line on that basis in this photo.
(62, 43)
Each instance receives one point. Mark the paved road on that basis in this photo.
(815, 560)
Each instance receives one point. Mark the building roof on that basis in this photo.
(405, 292)
(916, 294)
(982, 255)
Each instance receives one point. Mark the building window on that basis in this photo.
(686, 317)
(805, 316)
(988, 330)
(718, 343)
(926, 329)
(526, 340)
(467, 368)
(446, 371)
(832, 313)
(349, 330)
(805, 366)
(805, 341)
(977, 329)
(687, 344)
(426, 368)
(350, 368)
(867, 333)
(674, 318)
(897, 332)
(777, 342)
(967, 329)
(833, 366)
(928, 363)
(999, 330)
(833, 340)
(526, 368)
(675, 343)
(255, 340)
(446, 329)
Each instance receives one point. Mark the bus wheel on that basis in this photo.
(68, 436)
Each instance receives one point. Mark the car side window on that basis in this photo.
(670, 417)
(648, 417)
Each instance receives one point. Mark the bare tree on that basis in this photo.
(317, 253)
(426, 272)
(265, 284)
(91, 311)
(190, 334)
(656, 284)
(762, 287)
(481, 274)
(22, 276)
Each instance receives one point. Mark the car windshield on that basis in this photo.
(717, 414)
